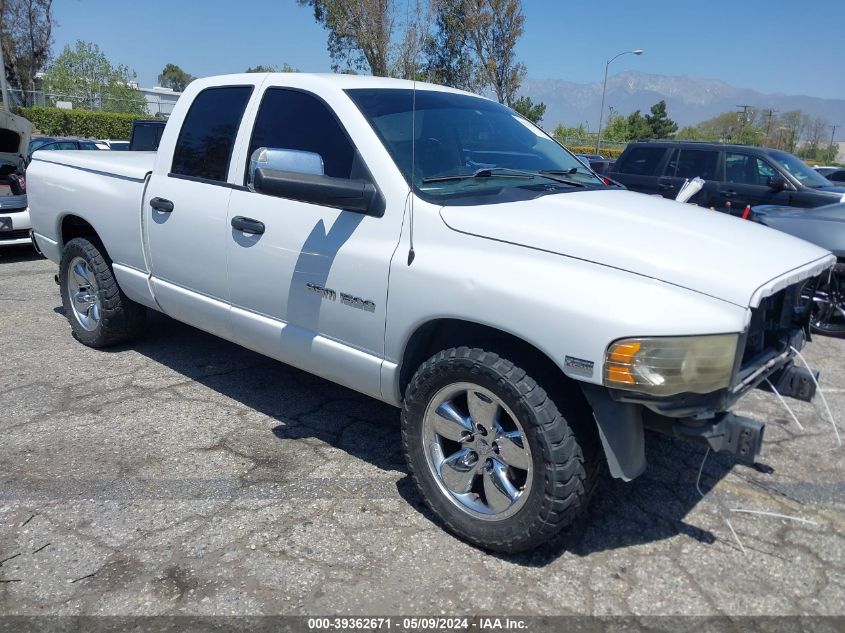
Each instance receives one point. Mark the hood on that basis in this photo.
(681, 244)
(834, 189)
(15, 132)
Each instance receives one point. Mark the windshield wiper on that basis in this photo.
(484, 172)
(507, 172)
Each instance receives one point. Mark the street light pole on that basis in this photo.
(604, 91)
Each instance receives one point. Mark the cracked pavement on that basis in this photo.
(183, 475)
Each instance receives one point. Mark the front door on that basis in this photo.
(747, 183)
(309, 284)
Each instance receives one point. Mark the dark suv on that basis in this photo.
(735, 175)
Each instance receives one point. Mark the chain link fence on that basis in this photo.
(157, 103)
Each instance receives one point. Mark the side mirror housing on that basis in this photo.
(777, 183)
(280, 159)
(340, 193)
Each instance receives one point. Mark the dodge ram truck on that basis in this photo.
(435, 250)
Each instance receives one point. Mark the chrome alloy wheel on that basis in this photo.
(477, 451)
(84, 294)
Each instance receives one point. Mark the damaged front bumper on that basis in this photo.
(765, 360)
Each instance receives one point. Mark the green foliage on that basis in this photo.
(607, 152)
(261, 68)
(449, 52)
(85, 77)
(174, 78)
(532, 111)
(638, 127)
(563, 132)
(83, 123)
(616, 129)
(659, 123)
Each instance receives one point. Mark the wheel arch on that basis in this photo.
(442, 333)
(72, 226)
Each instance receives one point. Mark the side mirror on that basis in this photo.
(339, 193)
(279, 159)
(776, 183)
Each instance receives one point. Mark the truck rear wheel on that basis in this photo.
(99, 313)
(490, 452)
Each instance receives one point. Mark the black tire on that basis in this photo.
(120, 318)
(561, 481)
(827, 317)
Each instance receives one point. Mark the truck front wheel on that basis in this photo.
(98, 311)
(490, 452)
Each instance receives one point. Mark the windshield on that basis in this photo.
(806, 175)
(467, 146)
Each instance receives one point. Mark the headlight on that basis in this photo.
(665, 366)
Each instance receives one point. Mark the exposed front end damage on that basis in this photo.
(765, 359)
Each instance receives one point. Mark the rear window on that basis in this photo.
(692, 163)
(641, 161)
(208, 134)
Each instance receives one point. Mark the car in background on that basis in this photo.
(63, 143)
(117, 146)
(146, 134)
(825, 227)
(736, 176)
(603, 166)
(15, 132)
(835, 175)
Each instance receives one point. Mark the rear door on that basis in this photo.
(639, 168)
(747, 183)
(185, 212)
(686, 163)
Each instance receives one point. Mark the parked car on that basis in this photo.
(146, 134)
(536, 319)
(117, 146)
(63, 143)
(603, 166)
(15, 132)
(736, 175)
(824, 226)
(836, 175)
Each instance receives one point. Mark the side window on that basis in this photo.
(208, 133)
(290, 119)
(641, 161)
(837, 176)
(87, 145)
(697, 162)
(747, 170)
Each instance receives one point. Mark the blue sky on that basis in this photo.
(770, 46)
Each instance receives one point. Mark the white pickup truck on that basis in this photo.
(435, 250)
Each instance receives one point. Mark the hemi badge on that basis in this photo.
(578, 366)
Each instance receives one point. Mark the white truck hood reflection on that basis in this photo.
(681, 244)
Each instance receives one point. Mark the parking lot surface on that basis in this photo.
(185, 475)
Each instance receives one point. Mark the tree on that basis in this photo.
(532, 111)
(360, 32)
(638, 127)
(27, 33)
(659, 123)
(495, 26)
(286, 68)
(450, 58)
(566, 134)
(174, 78)
(616, 129)
(84, 76)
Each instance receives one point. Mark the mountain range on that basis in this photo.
(689, 100)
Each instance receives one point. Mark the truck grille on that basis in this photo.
(774, 326)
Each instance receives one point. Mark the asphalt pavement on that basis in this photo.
(183, 475)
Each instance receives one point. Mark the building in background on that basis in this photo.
(160, 101)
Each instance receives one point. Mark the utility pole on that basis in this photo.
(769, 116)
(745, 109)
(832, 132)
